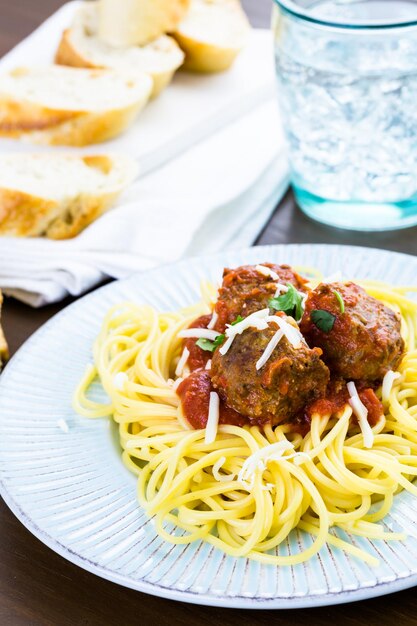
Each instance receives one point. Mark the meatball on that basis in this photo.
(278, 391)
(361, 343)
(246, 290)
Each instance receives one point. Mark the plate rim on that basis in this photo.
(155, 589)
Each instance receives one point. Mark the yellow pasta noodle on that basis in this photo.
(323, 480)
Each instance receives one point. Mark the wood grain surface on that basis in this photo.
(38, 587)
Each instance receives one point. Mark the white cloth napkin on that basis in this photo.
(217, 195)
(216, 192)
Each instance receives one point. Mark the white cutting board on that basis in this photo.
(191, 108)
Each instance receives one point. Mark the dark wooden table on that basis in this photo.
(39, 587)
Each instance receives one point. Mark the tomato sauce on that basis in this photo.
(198, 358)
(374, 406)
(194, 392)
(331, 404)
(334, 402)
(301, 424)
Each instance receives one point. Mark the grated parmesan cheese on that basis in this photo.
(177, 383)
(213, 321)
(198, 333)
(120, 380)
(361, 413)
(269, 349)
(388, 383)
(280, 289)
(266, 271)
(221, 478)
(255, 320)
(352, 389)
(182, 362)
(291, 333)
(213, 418)
(268, 487)
(62, 424)
(260, 320)
(259, 459)
(225, 347)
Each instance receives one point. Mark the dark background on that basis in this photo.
(38, 587)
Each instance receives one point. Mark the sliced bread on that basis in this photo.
(212, 34)
(57, 195)
(80, 46)
(4, 350)
(70, 106)
(138, 22)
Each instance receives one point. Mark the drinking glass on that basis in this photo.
(347, 72)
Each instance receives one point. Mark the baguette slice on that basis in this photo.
(138, 22)
(80, 46)
(212, 34)
(66, 106)
(4, 350)
(58, 195)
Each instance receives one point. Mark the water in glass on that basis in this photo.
(349, 103)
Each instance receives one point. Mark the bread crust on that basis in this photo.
(35, 120)
(67, 128)
(203, 57)
(26, 215)
(79, 214)
(23, 215)
(19, 116)
(66, 54)
(161, 81)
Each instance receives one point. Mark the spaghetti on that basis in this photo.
(245, 491)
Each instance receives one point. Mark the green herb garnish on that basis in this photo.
(323, 320)
(208, 345)
(340, 300)
(290, 302)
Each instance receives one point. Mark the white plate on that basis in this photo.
(73, 492)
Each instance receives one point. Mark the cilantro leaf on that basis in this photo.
(323, 320)
(290, 302)
(205, 344)
(340, 300)
(210, 346)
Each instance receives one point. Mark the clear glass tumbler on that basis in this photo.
(347, 72)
